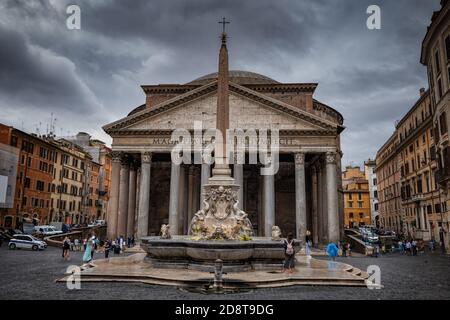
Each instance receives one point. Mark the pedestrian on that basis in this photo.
(121, 243)
(400, 247)
(414, 247)
(77, 244)
(308, 243)
(66, 248)
(129, 242)
(344, 250)
(289, 253)
(84, 244)
(87, 256)
(349, 248)
(71, 245)
(431, 244)
(332, 251)
(107, 248)
(132, 241)
(376, 251)
(408, 248)
(94, 246)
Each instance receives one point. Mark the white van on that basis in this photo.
(47, 230)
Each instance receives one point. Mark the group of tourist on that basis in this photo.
(90, 246)
(412, 247)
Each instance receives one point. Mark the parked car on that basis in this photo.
(25, 241)
(46, 230)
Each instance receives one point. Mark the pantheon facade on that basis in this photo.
(148, 189)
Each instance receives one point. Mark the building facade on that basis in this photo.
(388, 185)
(371, 177)
(101, 158)
(9, 159)
(410, 197)
(356, 198)
(305, 193)
(35, 167)
(436, 56)
(55, 180)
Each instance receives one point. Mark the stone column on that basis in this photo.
(123, 198)
(113, 205)
(422, 218)
(332, 198)
(239, 179)
(191, 184)
(131, 201)
(269, 204)
(205, 174)
(300, 196)
(315, 213)
(144, 195)
(182, 201)
(174, 217)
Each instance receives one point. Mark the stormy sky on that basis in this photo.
(90, 77)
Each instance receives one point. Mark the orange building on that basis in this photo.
(34, 178)
(356, 198)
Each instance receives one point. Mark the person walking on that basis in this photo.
(66, 249)
(344, 250)
(289, 253)
(85, 244)
(87, 256)
(408, 248)
(414, 247)
(308, 243)
(332, 251)
(107, 248)
(349, 248)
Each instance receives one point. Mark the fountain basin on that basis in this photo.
(185, 253)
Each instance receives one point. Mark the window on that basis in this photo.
(376, 206)
(350, 215)
(439, 88)
(350, 204)
(27, 182)
(350, 197)
(27, 146)
(14, 141)
(375, 181)
(437, 63)
(40, 185)
(375, 194)
(443, 123)
(447, 47)
(359, 195)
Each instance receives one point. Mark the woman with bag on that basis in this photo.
(289, 253)
(66, 249)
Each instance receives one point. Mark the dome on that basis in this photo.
(236, 76)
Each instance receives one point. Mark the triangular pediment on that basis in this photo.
(248, 109)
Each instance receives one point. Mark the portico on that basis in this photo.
(302, 194)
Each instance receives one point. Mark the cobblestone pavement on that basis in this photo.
(31, 275)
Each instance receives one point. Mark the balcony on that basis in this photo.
(417, 197)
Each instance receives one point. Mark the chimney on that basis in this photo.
(422, 91)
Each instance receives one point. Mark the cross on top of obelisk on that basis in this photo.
(224, 22)
(224, 35)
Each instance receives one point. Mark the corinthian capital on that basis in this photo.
(146, 157)
(330, 157)
(116, 156)
(299, 158)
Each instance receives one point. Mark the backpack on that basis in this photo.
(289, 248)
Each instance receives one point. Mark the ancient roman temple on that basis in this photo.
(305, 193)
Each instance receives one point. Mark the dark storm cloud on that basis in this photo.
(91, 76)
